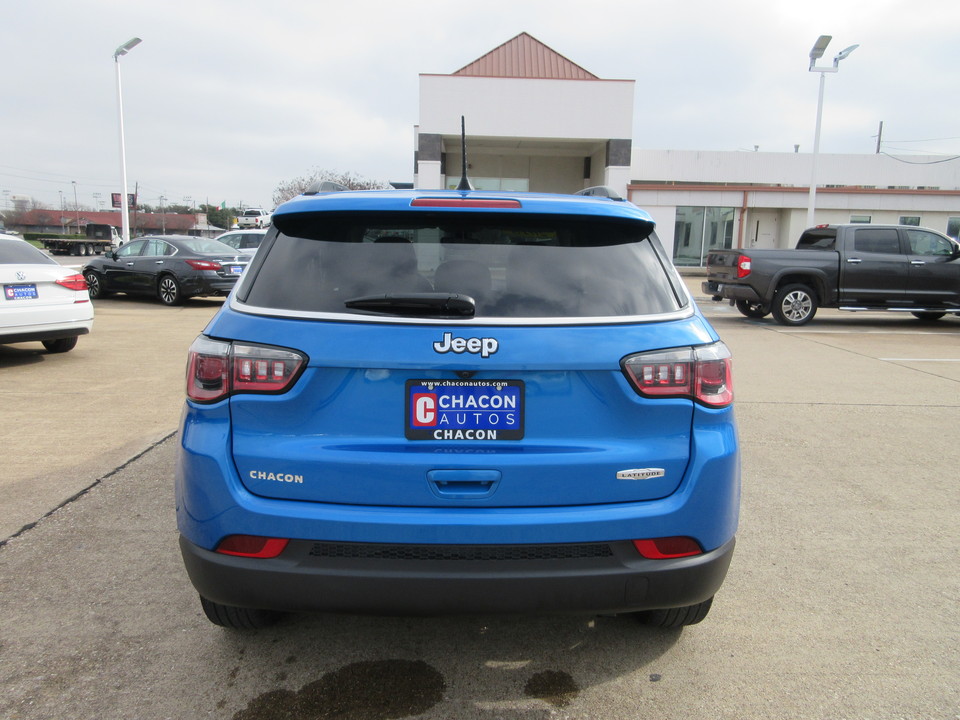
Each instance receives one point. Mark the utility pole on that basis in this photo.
(879, 136)
(76, 205)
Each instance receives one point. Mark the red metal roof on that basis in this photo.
(526, 57)
(54, 219)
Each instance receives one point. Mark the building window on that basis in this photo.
(910, 220)
(698, 230)
(953, 227)
(862, 219)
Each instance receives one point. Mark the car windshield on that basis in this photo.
(20, 252)
(207, 247)
(509, 267)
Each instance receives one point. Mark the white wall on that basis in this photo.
(526, 108)
(793, 169)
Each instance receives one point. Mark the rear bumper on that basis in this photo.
(443, 579)
(717, 291)
(209, 284)
(46, 331)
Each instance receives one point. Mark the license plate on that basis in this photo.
(20, 292)
(236, 269)
(464, 410)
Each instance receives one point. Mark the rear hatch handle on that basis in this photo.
(463, 484)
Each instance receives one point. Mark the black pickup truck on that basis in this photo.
(850, 267)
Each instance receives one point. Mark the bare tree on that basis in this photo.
(297, 186)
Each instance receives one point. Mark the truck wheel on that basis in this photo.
(673, 618)
(928, 316)
(81, 250)
(168, 290)
(752, 309)
(60, 346)
(238, 618)
(794, 305)
(90, 251)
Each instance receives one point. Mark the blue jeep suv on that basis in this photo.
(458, 401)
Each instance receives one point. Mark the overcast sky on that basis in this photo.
(225, 99)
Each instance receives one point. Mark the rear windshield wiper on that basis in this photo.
(430, 304)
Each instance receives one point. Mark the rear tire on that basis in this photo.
(672, 618)
(60, 345)
(168, 290)
(238, 618)
(794, 305)
(752, 309)
(81, 250)
(928, 316)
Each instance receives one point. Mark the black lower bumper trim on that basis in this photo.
(401, 579)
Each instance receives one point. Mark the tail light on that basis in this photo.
(217, 369)
(700, 373)
(204, 264)
(73, 282)
(743, 266)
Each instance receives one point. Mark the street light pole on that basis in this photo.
(124, 208)
(816, 52)
(76, 205)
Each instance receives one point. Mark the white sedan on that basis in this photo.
(41, 300)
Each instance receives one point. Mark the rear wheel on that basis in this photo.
(60, 345)
(671, 618)
(81, 250)
(752, 309)
(794, 305)
(168, 290)
(238, 618)
(928, 316)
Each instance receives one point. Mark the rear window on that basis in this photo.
(511, 266)
(877, 240)
(20, 252)
(825, 239)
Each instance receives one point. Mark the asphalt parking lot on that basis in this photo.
(842, 600)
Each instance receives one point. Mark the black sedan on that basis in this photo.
(172, 267)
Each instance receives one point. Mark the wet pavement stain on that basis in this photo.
(553, 686)
(370, 690)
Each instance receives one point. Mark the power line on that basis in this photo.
(932, 162)
(927, 140)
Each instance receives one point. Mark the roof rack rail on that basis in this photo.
(600, 191)
(324, 186)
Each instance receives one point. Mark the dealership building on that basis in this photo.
(536, 121)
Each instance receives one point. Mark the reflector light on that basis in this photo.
(465, 203)
(699, 373)
(217, 369)
(668, 547)
(252, 546)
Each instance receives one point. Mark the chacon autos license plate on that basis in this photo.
(236, 269)
(20, 292)
(464, 410)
